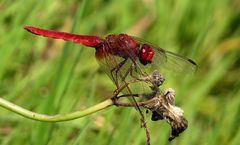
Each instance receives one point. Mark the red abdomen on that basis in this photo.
(87, 40)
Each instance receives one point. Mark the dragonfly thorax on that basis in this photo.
(126, 46)
(122, 45)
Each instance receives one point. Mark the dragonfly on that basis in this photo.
(123, 55)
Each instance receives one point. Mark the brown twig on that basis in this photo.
(162, 106)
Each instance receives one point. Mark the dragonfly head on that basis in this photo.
(146, 54)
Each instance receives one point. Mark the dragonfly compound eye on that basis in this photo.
(146, 54)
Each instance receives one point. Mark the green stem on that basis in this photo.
(54, 118)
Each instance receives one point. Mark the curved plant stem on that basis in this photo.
(54, 118)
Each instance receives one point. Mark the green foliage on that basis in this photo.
(52, 76)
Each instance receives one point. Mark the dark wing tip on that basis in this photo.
(193, 63)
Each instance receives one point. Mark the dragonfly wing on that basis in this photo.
(174, 62)
(169, 61)
(110, 62)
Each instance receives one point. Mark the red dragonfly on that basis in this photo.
(122, 54)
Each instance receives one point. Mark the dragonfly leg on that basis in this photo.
(130, 70)
(116, 71)
(127, 72)
(134, 68)
(123, 86)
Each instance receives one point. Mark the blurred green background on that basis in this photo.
(52, 76)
